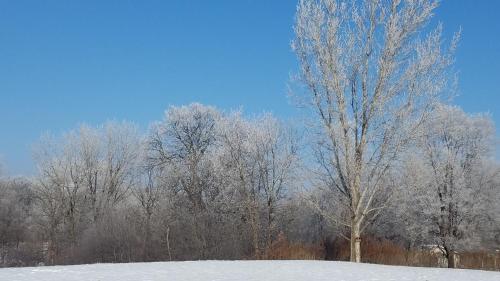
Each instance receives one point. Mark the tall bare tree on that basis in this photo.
(372, 78)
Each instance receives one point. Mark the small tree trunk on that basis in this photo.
(147, 238)
(255, 232)
(52, 250)
(269, 235)
(168, 244)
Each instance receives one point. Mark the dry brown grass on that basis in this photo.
(480, 260)
(281, 249)
(378, 251)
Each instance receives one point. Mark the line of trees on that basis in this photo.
(380, 157)
(204, 184)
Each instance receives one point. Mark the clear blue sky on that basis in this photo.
(67, 62)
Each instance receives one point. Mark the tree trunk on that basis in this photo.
(51, 252)
(168, 244)
(255, 231)
(269, 235)
(451, 259)
(356, 217)
(355, 241)
(147, 238)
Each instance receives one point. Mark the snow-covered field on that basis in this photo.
(241, 271)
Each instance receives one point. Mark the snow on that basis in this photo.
(242, 271)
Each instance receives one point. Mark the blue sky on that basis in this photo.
(63, 63)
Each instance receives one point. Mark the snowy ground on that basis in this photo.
(241, 271)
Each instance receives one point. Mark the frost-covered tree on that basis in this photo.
(276, 154)
(237, 164)
(60, 190)
(16, 227)
(149, 192)
(110, 158)
(450, 186)
(185, 142)
(257, 158)
(492, 233)
(82, 176)
(455, 182)
(373, 73)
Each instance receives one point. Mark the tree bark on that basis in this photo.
(147, 238)
(355, 241)
(451, 259)
(269, 235)
(168, 244)
(356, 217)
(255, 229)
